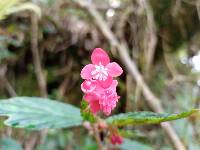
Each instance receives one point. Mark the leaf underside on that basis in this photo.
(39, 113)
(144, 117)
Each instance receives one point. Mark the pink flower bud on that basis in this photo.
(102, 125)
(87, 125)
(88, 86)
(116, 139)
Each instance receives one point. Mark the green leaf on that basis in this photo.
(5, 6)
(26, 6)
(86, 114)
(134, 118)
(9, 144)
(39, 113)
(13, 6)
(130, 144)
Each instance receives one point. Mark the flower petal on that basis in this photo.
(88, 86)
(107, 110)
(105, 84)
(114, 85)
(86, 71)
(100, 56)
(90, 97)
(114, 69)
(94, 106)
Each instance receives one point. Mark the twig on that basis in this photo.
(151, 38)
(9, 88)
(36, 58)
(120, 33)
(38, 68)
(63, 86)
(151, 99)
(129, 80)
(30, 144)
(129, 93)
(138, 93)
(12, 93)
(65, 83)
(198, 8)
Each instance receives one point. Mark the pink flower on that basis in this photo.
(116, 139)
(101, 69)
(99, 86)
(101, 99)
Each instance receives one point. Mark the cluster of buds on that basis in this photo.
(108, 131)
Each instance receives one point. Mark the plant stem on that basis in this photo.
(97, 137)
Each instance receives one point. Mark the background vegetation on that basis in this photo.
(45, 43)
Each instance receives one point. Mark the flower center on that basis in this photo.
(100, 72)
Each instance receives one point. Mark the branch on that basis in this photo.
(36, 58)
(198, 8)
(151, 99)
(9, 87)
(38, 70)
(6, 83)
(151, 38)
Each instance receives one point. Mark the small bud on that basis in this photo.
(87, 125)
(102, 125)
(116, 139)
